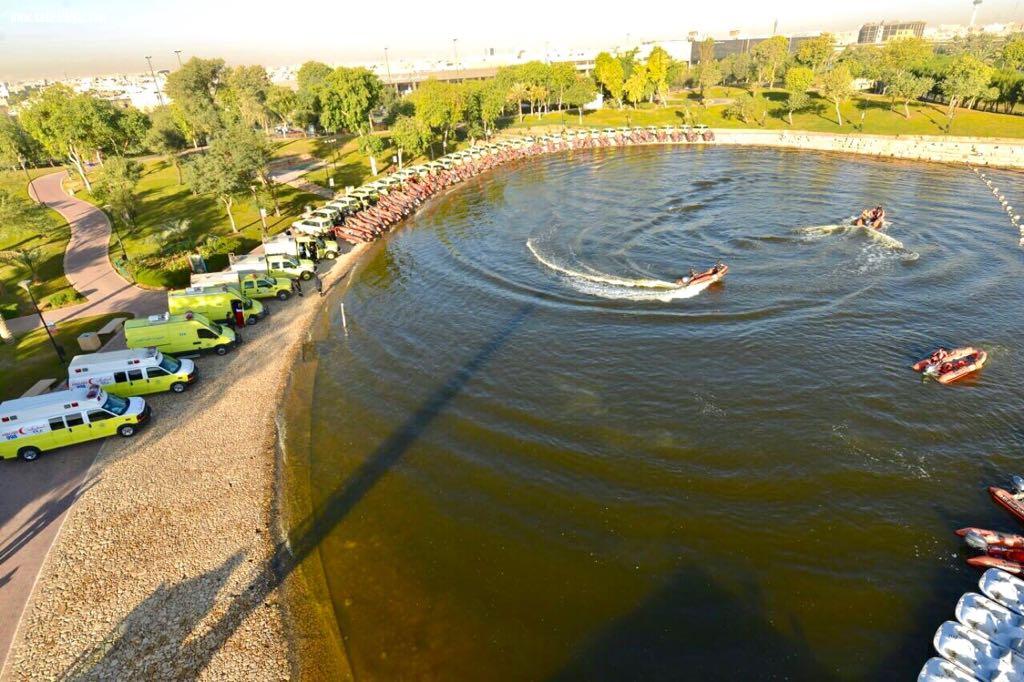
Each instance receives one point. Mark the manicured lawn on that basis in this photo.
(162, 200)
(32, 358)
(51, 234)
(870, 110)
(346, 164)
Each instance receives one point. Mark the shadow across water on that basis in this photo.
(184, 650)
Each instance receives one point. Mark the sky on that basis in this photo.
(50, 38)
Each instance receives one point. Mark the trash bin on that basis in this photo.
(89, 341)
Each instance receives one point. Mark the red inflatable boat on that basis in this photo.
(710, 276)
(942, 355)
(948, 366)
(981, 538)
(1008, 501)
(986, 562)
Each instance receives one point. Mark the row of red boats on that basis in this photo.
(947, 366)
(1004, 551)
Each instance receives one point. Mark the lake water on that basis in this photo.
(559, 468)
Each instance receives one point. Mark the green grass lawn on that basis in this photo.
(32, 358)
(345, 163)
(869, 114)
(162, 200)
(51, 234)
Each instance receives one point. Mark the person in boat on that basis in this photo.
(938, 356)
(683, 281)
(871, 217)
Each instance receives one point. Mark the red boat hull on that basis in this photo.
(995, 538)
(1007, 501)
(986, 562)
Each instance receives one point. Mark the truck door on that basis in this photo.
(99, 422)
(78, 431)
(204, 336)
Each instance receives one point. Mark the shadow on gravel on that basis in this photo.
(46, 514)
(165, 628)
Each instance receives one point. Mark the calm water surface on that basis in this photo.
(566, 477)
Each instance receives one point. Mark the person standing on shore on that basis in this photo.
(318, 283)
(297, 286)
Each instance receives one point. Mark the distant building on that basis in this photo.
(680, 50)
(724, 48)
(882, 31)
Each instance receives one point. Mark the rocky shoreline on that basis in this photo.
(168, 565)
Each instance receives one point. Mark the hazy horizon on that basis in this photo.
(54, 38)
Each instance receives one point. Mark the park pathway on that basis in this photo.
(293, 175)
(87, 262)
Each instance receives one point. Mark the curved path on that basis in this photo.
(87, 262)
(34, 498)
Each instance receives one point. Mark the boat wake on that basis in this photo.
(609, 286)
(876, 236)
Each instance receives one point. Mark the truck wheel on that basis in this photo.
(29, 453)
(253, 319)
(307, 275)
(283, 295)
(331, 255)
(178, 387)
(126, 430)
(221, 350)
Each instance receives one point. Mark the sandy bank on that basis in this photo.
(164, 567)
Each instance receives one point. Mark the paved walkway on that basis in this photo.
(87, 263)
(293, 174)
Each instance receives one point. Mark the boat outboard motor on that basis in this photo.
(1018, 483)
(976, 541)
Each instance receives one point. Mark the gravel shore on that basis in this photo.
(165, 567)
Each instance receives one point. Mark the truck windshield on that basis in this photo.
(172, 365)
(217, 328)
(115, 405)
(265, 283)
(247, 303)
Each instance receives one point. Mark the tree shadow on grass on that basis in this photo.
(693, 628)
(162, 637)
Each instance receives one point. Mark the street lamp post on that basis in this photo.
(156, 86)
(387, 65)
(26, 284)
(177, 53)
(120, 243)
(262, 211)
(31, 190)
(455, 51)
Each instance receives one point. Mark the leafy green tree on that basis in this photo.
(518, 93)
(709, 74)
(678, 73)
(737, 68)
(307, 109)
(115, 187)
(233, 162)
(862, 61)
(817, 53)
(904, 86)
(410, 137)
(706, 50)
(966, 79)
(799, 80)
(1010, 86)
(749, 108)
(17, 147)
(347, 98)
(27, 258)
(282, 102)
(195, 89)
(563, 75)
(439, 108)
(837, 86)
(312, 75)
(165, 137)
(538, 96)
(636, 85)
(982, 46)
(1012, 55)
(176, 236)
(372, 146)
(493, 99)
(68, 125)
(248, 87)
(658, 64)
(769, 56)
(581, 92)
(610, 75)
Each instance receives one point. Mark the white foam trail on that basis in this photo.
(609, 286)
(877, 235)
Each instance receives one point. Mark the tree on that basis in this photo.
(769, 56)
(610, 75)
(862, 61)
(312, 75)
(493, 99)
(709, 74)
(26, 257)
(582, 91)
(372, 146)
(636, 85)
(439, 107)
(129, 128)
(749, 107)
(538, 95)
(409, 136)
(737, 68)
(1012, 56)
(966, 78)
(195, 89)
(176, 235)
(228, 168)
(707, 50)
(836, 86)
(16, 146)
(115, 187)
(904, 86)
(517, 93)
(166, 137)
(904, 55)
(66, 124)
(563, 75)
(678, 73)
(282, 102)
(347, 98)
(658, 64)
(798, 81)
(248, 87)
(817, 53)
